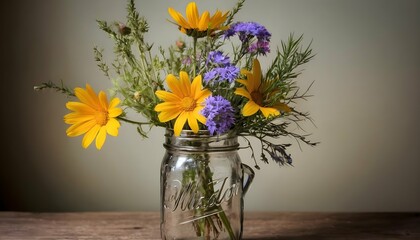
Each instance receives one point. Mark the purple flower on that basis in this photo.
(260, 47)
(217, 57)
(222, 69)
(222, 74)
(247, 30)
(219, 114)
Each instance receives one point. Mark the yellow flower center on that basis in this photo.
(257, 98)
(101, 117)
(188, 104)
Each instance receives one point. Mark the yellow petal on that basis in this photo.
(85, 97)
(243, 82)
(80, 128)
(179, 123)
(204, 21)
(112, 127)
(174, 85)
(203, 95)
(250, 108)
(166, 106)
(192, 122)
(90, 136)
(114, 112)
(198, 115)
(74, 117)
(268, 111)
(168, 115)
(218, 19)
(192, 14)
(80, 107)
(179, 19)
(167, 96)
(245, 71)
(185, 84)
(101, 137)
(196, 86)
(244, 93)
(114, 102)
(92, 95)
(103, 100)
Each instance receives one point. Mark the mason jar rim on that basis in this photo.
(200, 141)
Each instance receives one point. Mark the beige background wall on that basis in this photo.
(365, 106)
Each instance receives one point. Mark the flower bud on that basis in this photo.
(137, 95)
(180, 44)
(123, 29)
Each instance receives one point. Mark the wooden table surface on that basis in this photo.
(257, 225)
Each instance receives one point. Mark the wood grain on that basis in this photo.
(257, 225)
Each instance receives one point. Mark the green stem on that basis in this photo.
(226, 222)
(209, 191)
(133, 122)
(194, 55)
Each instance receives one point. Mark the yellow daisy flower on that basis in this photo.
(255, 91)
(184, 102)
(92, 116)
(196, 25)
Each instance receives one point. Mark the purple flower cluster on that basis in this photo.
(219, 113)
(221, 69)
(217, 57)
(247, 31)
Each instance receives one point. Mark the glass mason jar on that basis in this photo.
(203, 183)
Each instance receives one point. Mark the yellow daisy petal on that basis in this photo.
(168, 115)
(166, 106)
(204, 21)
(103, 100)
(192, 14)
(178, 18)
(80, 107)
(80, 128)
(114, 112)
(100, 138)
(112, 127)
(268, 111)
(167, 96)
(85, 97)
(243, 82)
(114, 102)
(203, 95)
(185, 83)
(90, 136)
(179, 123)
(174, 85)
(250, 108)
(196, 86)
(199, 116)
(243, 92)
(75, 117)
(192, 122)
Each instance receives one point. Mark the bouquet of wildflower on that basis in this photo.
(196, 84)
(209, 80)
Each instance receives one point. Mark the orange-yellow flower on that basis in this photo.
(196, 25)
(92, 116)
(256, 92)
(184, 102)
